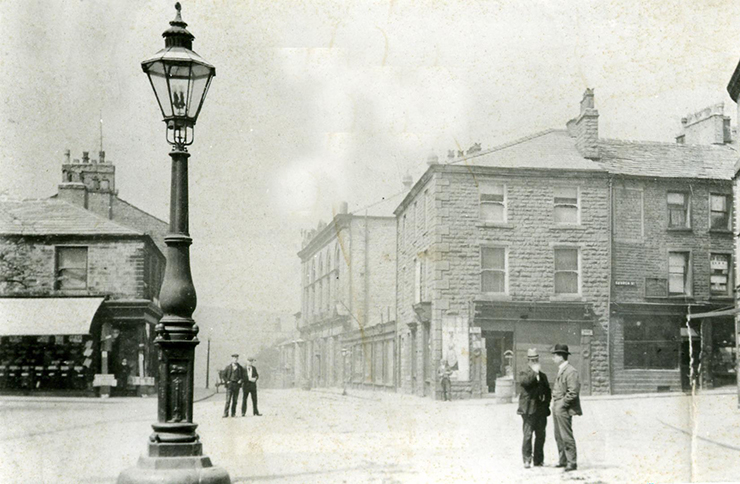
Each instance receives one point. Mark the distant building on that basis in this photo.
(79, 312)
(347, 319)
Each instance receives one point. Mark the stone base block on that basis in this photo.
(174, 470)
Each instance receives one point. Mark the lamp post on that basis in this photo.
(180, 79)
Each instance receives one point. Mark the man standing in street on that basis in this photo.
(444, 372)
(566, 403)
(233, 376)
(250, 386)
(534, 407)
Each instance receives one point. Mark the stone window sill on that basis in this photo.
(495, 225)
(566, 297)
(568, 227)
(720, 231)
(679, 229)
(489, 296)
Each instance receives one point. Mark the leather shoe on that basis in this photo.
(537, 464)
(561, 465)
(257, 414)
(224, 416)
(571, 467)
(527, 465)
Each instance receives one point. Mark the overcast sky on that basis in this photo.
(315, 102)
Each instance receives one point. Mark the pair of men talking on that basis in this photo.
(236, 376)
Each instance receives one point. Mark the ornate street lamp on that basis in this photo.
(180, 79)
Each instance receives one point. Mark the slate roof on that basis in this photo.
(54, 217)
(668, 160)
(553, 149)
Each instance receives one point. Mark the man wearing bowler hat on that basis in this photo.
(233, 375)
(534, 407)
(566, 403)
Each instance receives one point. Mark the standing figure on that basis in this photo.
(566, 403)
(233, 375)
(444, 373)
(534, 407)
(250, 386)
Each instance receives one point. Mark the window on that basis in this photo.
(492, 202)
(720, 212)
(566, 271)
(720, 276)
(493, 270)
(417, 228)
(651, 342)
(566, 205)
(678, 210)
(419, 281)
(71, 268)
(402, 235)
(424, 205)
(678, 273)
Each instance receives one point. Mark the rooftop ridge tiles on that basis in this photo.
(666, 143)
(507, 145)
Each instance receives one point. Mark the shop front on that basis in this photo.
(73, 345)
(509, 329)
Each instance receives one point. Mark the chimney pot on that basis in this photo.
(407, 181)
(86, 157)
(343, 208)
(66, 157)
(432, 159)
(101, 155)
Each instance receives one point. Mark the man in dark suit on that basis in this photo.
(233, 375)
(534, 407)
(566, 403)
(250, 387)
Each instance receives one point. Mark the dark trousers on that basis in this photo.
(249, 389)
(232, 395)
(446, 388)
(564, 434)
(533, 424)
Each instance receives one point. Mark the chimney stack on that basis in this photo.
(343, 208)
(86, 157)
(585, 127)
(432, 159)
(407, 181)
(101, 155)
(706, 127)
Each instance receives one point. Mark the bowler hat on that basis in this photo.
(235, 355)
(532, 353)
(251, 358)
(560, 349)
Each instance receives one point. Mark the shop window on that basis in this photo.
(567, 274)
(720, 283)
(492, 202)
(678, 210)
(651, 343)
(71, 268)
(493, 270)
(679, 280)
(566, 205)
(720, 212)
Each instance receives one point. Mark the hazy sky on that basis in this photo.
(315, 102)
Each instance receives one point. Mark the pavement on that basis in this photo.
(321, 436)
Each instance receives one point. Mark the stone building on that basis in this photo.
(672, 258)
(80, 305)
(608, 246)
(348, 292)
(499, 251)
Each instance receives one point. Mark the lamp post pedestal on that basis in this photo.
(175, 453)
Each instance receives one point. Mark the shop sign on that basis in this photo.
(104, 380)
(59, 339)
(587, 332)
(75, 338)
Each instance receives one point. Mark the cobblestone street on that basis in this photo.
(372, 437)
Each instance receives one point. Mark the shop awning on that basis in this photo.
(47, 316)
(714, 314)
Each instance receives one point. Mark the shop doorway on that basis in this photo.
(497, 344)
